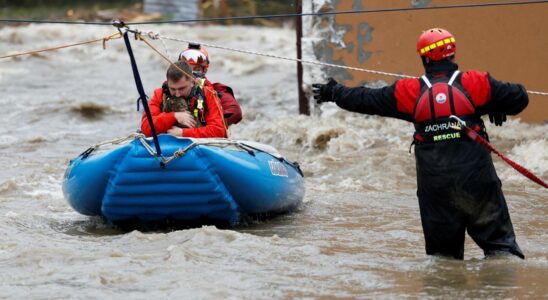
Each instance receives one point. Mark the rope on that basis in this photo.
(473, 135)
(158, 36)
(142, 94)
(163, 160)
(363, 11)
(289, 58)
(119, 140)
(104, 40)
(474, 5)
(538, 93)
(182, 151)
(219, 142)
(148, 148)
(115, 141)
(142, 38)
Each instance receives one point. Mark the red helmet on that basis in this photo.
(195, 55)
(436, 44)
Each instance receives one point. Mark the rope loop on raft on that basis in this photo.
(247, 146)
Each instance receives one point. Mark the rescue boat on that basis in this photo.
(194, 179)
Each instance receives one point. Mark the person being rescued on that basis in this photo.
(198, 59)
(183, 108)
(457, 186)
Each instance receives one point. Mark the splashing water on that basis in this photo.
(357, 235)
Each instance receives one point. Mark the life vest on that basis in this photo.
(196, 104)
(437, 101)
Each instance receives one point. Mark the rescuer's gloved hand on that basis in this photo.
(324, 92)
(497, 118)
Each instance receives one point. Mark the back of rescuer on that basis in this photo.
(457, 185)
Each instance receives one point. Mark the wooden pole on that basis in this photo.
(303, 102)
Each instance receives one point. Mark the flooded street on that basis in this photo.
(357, 235)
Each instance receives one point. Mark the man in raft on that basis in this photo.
(183, 108)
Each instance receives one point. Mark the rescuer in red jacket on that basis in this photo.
(458, 188)
(198, 59)
(184, 109)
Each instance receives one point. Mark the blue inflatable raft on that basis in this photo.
(215, 179)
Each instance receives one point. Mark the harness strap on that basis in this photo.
(453, 77)
(432, 105)
(451, 99)
(450, 91)
(426, 81)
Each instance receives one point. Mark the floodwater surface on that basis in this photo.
(357, 234)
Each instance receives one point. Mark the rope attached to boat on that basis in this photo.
(104, 40)
(116, 141)
(243, 145)
(157, 36)
(142, 96)
(212, 142)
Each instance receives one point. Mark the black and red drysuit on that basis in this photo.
(458, 188)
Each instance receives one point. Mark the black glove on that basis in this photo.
(497, 117)
(324, 92)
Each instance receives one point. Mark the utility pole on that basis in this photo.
(303, 102)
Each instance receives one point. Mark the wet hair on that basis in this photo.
(174, 72)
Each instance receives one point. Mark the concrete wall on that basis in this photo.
(511, 42)
(180, 9)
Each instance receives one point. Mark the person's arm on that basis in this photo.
(383, 101)
(494, 97)
(366, 100)
(162, 121)
(507, 98)
(215, 126)
(231, 109)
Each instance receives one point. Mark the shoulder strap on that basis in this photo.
(426, 81)
(453, 77)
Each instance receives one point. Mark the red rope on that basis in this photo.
(478, 138)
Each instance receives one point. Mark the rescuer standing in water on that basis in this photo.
(458, 188)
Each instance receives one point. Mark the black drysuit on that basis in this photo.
(458, 188)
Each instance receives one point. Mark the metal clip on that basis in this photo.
(119, 24)
(462, 123)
